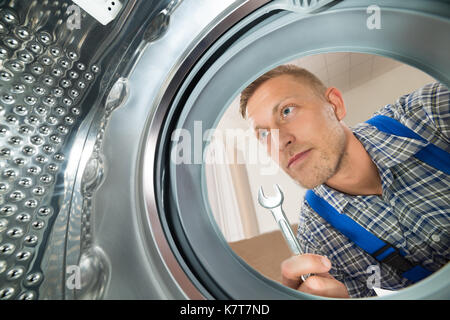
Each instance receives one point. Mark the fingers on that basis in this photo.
(325, 275)
(324, 286)
(294, 267)
(321, 283)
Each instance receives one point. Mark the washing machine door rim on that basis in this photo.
(185, 217)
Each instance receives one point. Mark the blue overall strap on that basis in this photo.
(431, 154)
(367, 241)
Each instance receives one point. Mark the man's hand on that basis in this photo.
(321, 283)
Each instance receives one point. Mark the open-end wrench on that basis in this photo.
(274, 204)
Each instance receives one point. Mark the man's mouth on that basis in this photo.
(298, 157)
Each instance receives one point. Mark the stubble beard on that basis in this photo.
(329, 162)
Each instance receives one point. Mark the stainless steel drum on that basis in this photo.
(59, 85)
(90, 205)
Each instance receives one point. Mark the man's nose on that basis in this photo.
(285, 139)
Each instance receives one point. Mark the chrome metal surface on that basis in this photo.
(275, 205)
(211, 23)
(223, 71)
(85, 116)
(42, 86)
(273, 201)
(58, 88)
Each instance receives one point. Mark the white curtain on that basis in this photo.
(229, 192)
(222, 198)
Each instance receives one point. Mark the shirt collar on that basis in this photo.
(386, 151)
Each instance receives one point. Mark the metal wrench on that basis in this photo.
(274, 204)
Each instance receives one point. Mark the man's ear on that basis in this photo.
(334, 97)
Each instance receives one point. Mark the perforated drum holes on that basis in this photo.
(40, 89)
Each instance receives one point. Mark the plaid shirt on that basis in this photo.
(413, 212)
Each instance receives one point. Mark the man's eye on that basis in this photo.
(263, 134)
(286, 111)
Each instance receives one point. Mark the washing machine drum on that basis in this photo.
(91, 205)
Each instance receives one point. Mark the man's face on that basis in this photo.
(310, 142)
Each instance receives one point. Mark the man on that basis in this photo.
(366, 174)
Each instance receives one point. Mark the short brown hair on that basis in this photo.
(287, 69)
